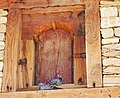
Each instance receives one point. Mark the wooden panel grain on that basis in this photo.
(57, 9)
(93, 44)
(3, 4)
(30, 55)
(31, 22)
(79, 48)
(14, 27)
(55, 56)
(26, 72)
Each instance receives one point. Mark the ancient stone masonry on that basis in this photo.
(3, 21)
(110, 33)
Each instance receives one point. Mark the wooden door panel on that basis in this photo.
(55, 56)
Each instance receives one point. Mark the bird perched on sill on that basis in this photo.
(44, 86)
(50, 85)
(57, 81)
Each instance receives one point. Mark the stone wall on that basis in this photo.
(3, 20)
(110, 33)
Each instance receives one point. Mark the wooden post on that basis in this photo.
(14, 29)
(93, 44)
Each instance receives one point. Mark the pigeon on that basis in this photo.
(57, 81)
(44, 86)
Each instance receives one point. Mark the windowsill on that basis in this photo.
(63, 86)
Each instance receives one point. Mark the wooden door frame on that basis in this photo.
(93, 41)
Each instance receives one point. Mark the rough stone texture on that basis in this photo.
(111, 79)
(0, 83)
(117, 32)
(110, 40)
(111, 61)
(108, 11)
(110, 22)
(1, 66)
(2, 37)
(1, 55)
(3, 19)
(1, 74)
(2, 28)
(111, 53)
(106, 33)
(111, 47)
(111, 70)
(3, 13)
(2, 45)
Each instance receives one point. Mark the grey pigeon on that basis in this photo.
(43, 86)
(57, 81)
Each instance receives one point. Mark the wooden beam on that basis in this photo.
(3, 4)
(54, 9)
(93, 44)
(67, 93)
(14, 28)
(28, 4)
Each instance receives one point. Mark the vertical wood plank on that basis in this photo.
(14, 28)
(93, 45)
(30, 55)
(26, 72)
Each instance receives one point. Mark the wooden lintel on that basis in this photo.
(28, 4)
(54, 9)
(93, 44)
(67, 93)
(3, 4)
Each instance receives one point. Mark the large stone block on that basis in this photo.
(117, 31)
(1, 74)
(111, 61)
(2, 37)
(3, 20)
(111, 53)
(110, 22)
(111, 79)
(111, 47)
(2, 45)
(3, 12)
(110, 40)
(111, 70)
(106, 33)
(1, 66)
(1, 55)
(108, 11)
(2, 28)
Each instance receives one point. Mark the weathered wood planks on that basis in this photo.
(55, 9)
(67, 93)
(26, 72)
(93, 45)
(6, 4)
(14, 27)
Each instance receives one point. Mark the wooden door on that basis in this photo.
(54, 55)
